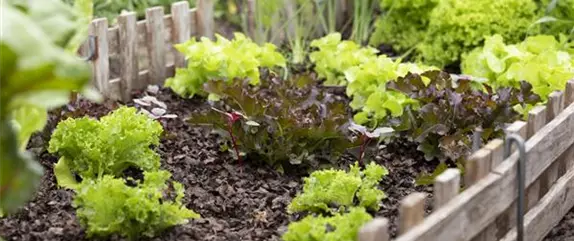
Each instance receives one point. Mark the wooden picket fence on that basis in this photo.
(135, 53)
(486, 209)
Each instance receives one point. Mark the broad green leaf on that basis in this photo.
(64, 175)
(27, 119)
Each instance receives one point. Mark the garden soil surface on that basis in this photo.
(246, 202)
(564, 231)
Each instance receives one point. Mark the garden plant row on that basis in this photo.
(266, 109)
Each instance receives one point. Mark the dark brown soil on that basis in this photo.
(236, 202)
(564, 231)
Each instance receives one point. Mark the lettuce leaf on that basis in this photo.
(108, 205)
(117, 141)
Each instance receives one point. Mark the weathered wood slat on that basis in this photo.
(128, 53)
(536, 120)
(411, 211)
(204, 18)
(376, 230)
(446, 187)
(478, 206)
(477, 166)
(496, 148)
(156, 44)
(101, 68)
(181, 30)
(549, 211)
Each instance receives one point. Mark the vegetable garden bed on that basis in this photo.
(237, 202)
(202, 137)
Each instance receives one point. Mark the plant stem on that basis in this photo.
(364, 140)
(230, 130)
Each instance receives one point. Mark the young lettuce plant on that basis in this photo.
(92, 148)
(291, 121)
(367, 88)
(109, 206)
(541, 60)
(334, 57)
(449, 112)
(342, 227)
(223, 60)
(333, 191)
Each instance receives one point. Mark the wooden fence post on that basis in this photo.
(411, 211)
(181, 31)
(477, 166)
(554, 106)
(496, 148)
(205, 19)
(128, 45)
(156, 45)
(101, 63)
(446, 187)
(376, 230)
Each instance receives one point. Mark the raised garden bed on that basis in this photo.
(341, 94)
(237, 202)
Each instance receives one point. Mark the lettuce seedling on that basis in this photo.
(223, 60)
(327, 189)
(334, 57)
(367, 88)
(109, 206)
(340, 227)
(92, 148)
(450, 111)
(540, 60)
(283, 121)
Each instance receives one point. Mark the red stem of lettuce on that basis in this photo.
(364, 139)
(230, 130)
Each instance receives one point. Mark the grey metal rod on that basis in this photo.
(519, 141)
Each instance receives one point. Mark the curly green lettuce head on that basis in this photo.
(458, 26)
(404, 24)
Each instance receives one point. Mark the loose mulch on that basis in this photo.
(564, 230)
(245, 202)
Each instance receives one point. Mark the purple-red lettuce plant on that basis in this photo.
(449, 111)
(282, 121)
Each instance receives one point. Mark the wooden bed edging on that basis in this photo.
(486, 209)
(158, 32)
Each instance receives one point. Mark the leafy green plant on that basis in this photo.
(92, 148)
(541, 60)
(221, 60)
(108, 205)
(327, 189)
(300, 28)
(403, 23)
(291, 120)
(451, 110)
(340, 227)
(557, 17)
(363, 12)
(334, 57)
(37, 72)
(367, 88)
(458, 26)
